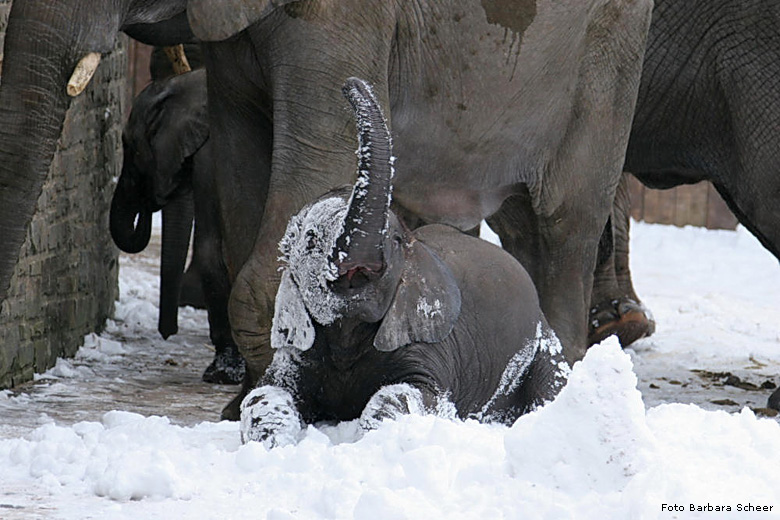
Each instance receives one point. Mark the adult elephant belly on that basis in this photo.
(459, 160)
(457, 207)
(451, 186)
(476, 110)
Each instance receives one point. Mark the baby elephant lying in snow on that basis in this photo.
(373, 320)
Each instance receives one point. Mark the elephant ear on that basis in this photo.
(178, 130)
(426, 304)
(215, 20)
(291, 326)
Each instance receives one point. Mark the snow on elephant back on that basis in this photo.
(373, 320)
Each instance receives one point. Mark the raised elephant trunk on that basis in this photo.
(359, 248)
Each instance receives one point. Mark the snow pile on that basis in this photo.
(723, 282)
(715, 457)
(595, 434)
(125, 456)
(592, 453)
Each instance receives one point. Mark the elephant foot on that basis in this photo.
(227, 368)
(268, 415)
(774, 400)
(232, 411)
(623, 317)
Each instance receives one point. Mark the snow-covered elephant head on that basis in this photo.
(347, 255)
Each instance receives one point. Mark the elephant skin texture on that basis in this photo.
(373, 320)
(514, 110)
(167, 165)
(705, 111)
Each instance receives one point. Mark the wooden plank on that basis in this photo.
(719, 216)
(691, 205)
(659, 206)
(142, 77)
(138, 58)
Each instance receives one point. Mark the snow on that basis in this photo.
(306, 248)
(275, 409)
(127, 430)
(429, 310)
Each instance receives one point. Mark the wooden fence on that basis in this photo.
(694, 205)
(138, 58)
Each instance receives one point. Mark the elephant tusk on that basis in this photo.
(178, 59)
(83, 73)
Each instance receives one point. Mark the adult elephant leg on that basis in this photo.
(228, 365)
(191, 290)
(615, 307)
(554, 227)
(621, 229)
(558, 250)
(241, 139)
(753, 195)
(774, 400)
(298, 82)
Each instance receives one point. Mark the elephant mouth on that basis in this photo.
(353, 276)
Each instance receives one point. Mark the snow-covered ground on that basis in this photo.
(127, 430)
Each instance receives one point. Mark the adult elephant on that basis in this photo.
(705, 111)
(516, 109)
(167, 166)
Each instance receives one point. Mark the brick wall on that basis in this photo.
(66, 278)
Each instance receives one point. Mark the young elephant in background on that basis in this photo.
(373, 320)
(167, 166)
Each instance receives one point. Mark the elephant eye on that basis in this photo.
(311, 240)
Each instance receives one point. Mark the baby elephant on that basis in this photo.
(373, 320)
(167, 166)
